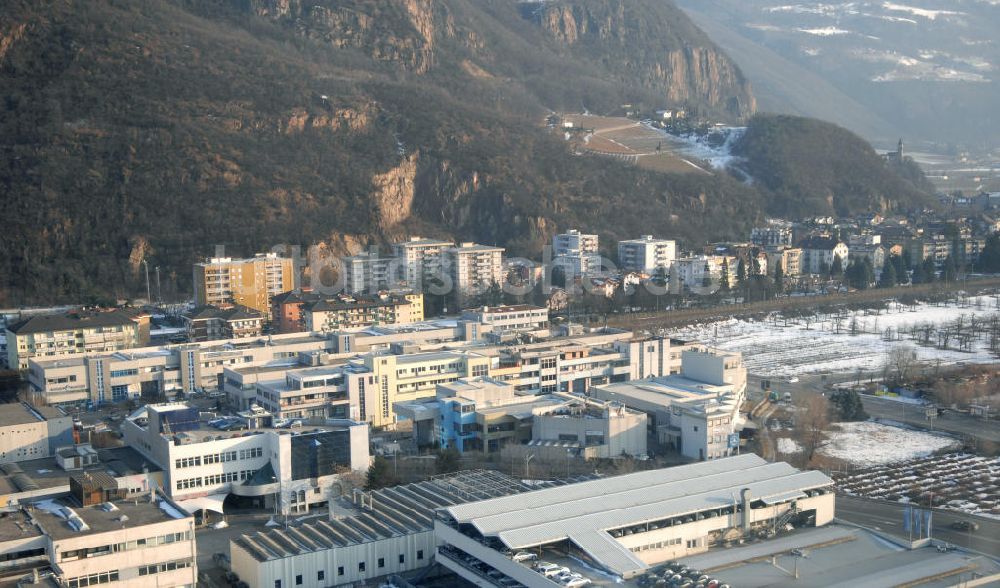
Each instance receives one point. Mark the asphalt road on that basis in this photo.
(888, 518)
(912, 414)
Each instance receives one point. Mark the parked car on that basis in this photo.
(524, 556)
(554, 571)
(965, 525)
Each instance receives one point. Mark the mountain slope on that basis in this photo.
(156, 130)
(153, 131)
(927, 69)
(806, 166)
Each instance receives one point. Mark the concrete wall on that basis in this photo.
(127, 562)
(308, 565)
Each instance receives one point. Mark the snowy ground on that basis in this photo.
(869, 444)
(777, 347)
(788, 446)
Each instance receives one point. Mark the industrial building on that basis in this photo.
(28, 432)
(484, 415)
(696, 412)
(59, 543)
(622, 525)
(388, 531)
(290, 471)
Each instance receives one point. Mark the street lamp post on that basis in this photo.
(527, 460)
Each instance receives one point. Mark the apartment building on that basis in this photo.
(73, 333)
(576, 264)
(291, 471)
(368, 273)
(936, 247)
(693, 273)
(209, 323)
(819, 253)
(576, 363)
(646, 254)
(114, 543)
(221, 281)
(288, 310)
(772, 236)
(516, 318)
(573, 241)
(788, 258)
(347, 311)
(420, 259)
(873, 253)
(473, 269)
(28, 432)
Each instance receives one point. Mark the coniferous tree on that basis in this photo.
(837, 267)
(706, 278)
(989, 258)
(779, 277)
(888, 277)
(929, 270)
(724, 277)
(949, 272)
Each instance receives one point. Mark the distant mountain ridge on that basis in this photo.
(925, 70)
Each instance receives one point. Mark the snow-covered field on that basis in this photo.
(867, 444)
(778, 347)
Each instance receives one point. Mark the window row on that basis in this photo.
(93, 579)
(657, 545)
(226, 456)
(127, 546)
(164, 567)
(321, 574)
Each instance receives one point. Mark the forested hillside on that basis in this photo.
(154, 130)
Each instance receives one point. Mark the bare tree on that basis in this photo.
(899, 364)
(811, 422)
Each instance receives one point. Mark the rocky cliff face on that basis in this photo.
(648, 46)
(652, 43)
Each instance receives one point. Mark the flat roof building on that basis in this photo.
(118, 544)
(293, 470)
(624, 524)
(28, 432)
(387, 531)
(646, 254)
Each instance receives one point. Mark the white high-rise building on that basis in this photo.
(646, 254)
(473, 268)
(369, 273)
(573, 241)
(420, 258)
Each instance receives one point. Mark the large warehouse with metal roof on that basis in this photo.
(387, 531)
(625, 524)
